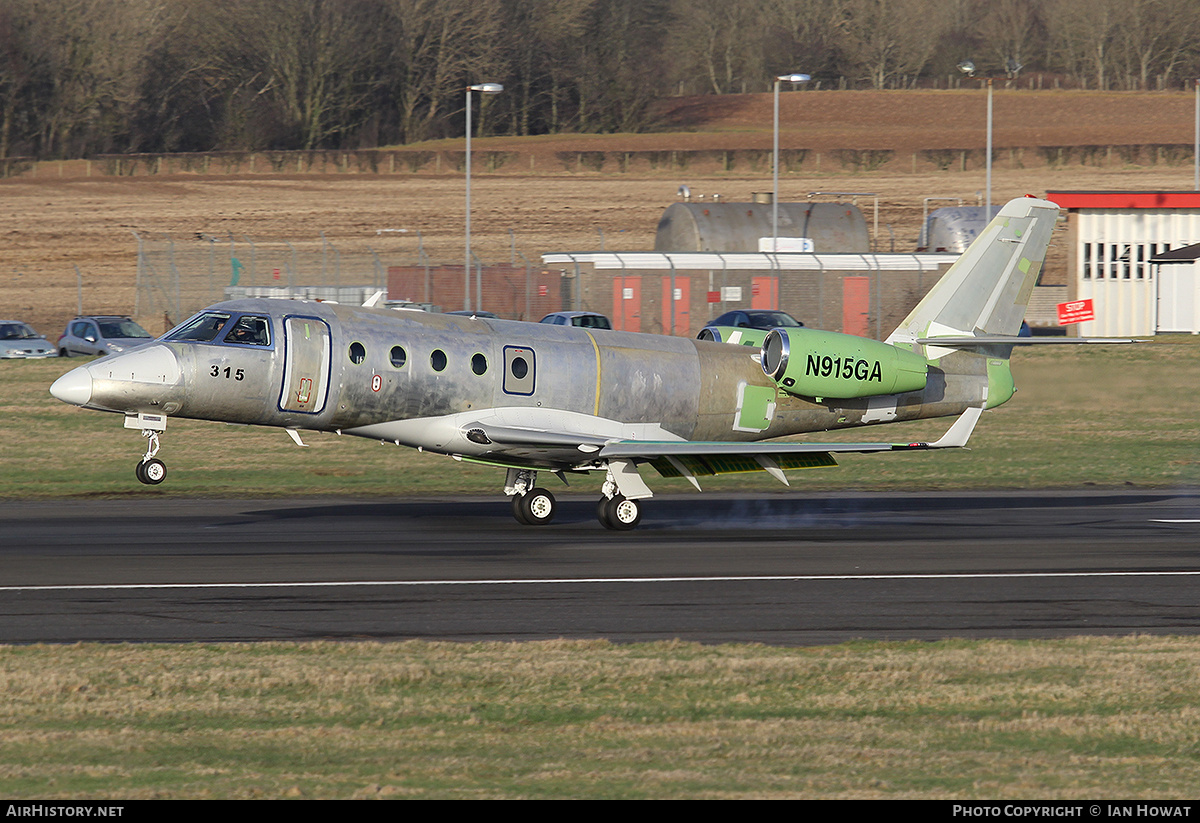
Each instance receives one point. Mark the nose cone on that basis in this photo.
(74, 387)
(129, 382)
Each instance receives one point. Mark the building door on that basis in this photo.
(856, 306)
(627, 303)
(764, 292)
(680, 301)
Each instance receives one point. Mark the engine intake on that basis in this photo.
(815, 363)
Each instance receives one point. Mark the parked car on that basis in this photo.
(101, 334)
(583, 319)
(747, 326)
(19, 341)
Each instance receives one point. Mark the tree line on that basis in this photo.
(82, 77)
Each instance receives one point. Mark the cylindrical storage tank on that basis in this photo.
(737, 227)
(953, 228)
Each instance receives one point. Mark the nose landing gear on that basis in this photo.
(150, 470)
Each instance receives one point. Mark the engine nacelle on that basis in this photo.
(814, 363)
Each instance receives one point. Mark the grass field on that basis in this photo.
(1078, 719)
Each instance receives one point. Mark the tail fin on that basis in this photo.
(987, 289)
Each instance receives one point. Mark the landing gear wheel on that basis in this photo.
(536, 507)
(151, 472)
(518, 509)
(618, 513)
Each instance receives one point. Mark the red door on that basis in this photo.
(764, 292)
(681, 301)
(627, 303)
(856, 306)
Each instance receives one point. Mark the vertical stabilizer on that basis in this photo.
(987, 289)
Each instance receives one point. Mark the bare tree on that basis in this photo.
(720, 40)
(804, 37)
(1010, 30)
(1082, 37)
(439, 47)
(1153, 36)
(886, 40)
(89, 55)
(540, 42)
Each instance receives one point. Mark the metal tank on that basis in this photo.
(736, 227)
(953, 228)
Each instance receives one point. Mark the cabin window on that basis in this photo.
(479, 364)
(398, 356)
(358, 353)
(519, 370)
(437, 360)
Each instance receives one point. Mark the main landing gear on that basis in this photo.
(150, 470)
(530, 505)
(534, 506)
(618, 513)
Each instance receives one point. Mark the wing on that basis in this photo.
(690, 459)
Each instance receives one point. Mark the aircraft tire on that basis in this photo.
(152, 472)
(619, 513)
(537, 506)
(518, 509)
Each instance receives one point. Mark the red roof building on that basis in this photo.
(1112, 237)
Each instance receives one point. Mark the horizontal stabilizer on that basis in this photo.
(1011, 340)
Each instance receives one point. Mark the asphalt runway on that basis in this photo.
(776, 569)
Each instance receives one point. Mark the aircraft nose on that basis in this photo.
(121, 382)
(74, 387)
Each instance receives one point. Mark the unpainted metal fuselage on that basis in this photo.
(422, 380)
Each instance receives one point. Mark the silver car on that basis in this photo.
(583, 319)
(19, 341)
(101, 334)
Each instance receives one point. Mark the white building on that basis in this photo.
(1113, 238)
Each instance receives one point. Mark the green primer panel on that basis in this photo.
(1000, 382)
(756, 411)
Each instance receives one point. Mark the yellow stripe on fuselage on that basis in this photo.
(595, 348)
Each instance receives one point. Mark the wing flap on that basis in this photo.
(709, 465)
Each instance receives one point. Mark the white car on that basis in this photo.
(19, 341)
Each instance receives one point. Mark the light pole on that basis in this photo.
(968, 68)
(482, 88)
(783, 78)
(988, 214)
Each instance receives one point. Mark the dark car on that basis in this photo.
(101, 334)
(736, 324)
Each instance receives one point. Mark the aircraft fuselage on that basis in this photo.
(422, 379)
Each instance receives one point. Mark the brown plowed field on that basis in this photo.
(57, 218)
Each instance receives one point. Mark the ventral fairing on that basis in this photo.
(530, 398)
